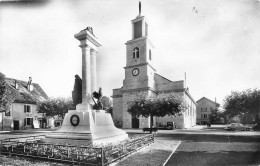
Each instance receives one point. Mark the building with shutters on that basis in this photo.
(204, 109)
(23, 111)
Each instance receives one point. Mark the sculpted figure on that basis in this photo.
(77, 91)
(97, 95)
(90, 29)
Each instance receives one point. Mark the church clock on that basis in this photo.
(135, 71)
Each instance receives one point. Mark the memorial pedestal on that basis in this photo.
(87, 127)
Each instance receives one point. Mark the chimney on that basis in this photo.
(29, 84)
(215, 100)
(16, 85)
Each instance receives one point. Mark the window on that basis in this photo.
(150, 54)
(7, 113)
(137, 29)
(27, 108)
(29, 121)
(205, 116)
(136, 53)
(146, 29)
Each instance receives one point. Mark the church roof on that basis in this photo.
(164, 84)
(165, 79)
(23, 95)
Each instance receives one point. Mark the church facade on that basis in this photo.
(142, 81)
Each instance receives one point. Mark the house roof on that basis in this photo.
(23, 95)
(204, 98)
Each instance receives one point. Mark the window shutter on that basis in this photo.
(24, 122)
(24, 108)
(31, 121)
(28, 108)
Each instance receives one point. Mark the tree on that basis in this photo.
(216, 116)
(6, 97)
(158, 107)
(56, 106)
(245, 104)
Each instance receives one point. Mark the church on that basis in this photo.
(142, 81)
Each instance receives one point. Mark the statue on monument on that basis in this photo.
(97, 95)
(90, 29)
(77, 90)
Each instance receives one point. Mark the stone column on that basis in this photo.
(88, 43)
(93, 69)
(86, 84)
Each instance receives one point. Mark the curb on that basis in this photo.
(175, 148)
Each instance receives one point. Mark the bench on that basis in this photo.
(149, 129)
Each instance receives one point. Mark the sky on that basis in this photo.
(216, 43)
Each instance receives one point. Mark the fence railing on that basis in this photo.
(86, 155)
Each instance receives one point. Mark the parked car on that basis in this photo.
(168, 126)
(237, 126)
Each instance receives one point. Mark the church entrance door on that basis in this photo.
(135, 122)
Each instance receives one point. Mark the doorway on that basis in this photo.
(16, 125)
(135, 122)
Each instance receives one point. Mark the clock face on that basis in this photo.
(74, 120)
(135, 71)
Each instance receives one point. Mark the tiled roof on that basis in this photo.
(23, 95)
(204, 98)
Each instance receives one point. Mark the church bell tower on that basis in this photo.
(139, 70)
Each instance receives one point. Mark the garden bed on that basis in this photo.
(87, 155)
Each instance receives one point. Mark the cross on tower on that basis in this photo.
(140, 8)
(136, 52)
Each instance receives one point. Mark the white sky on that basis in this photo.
(217, 43)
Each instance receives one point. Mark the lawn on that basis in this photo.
(215, 153)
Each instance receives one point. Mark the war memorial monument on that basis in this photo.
(88, 123)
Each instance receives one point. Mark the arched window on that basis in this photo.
(150, 54)
(136, 53)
